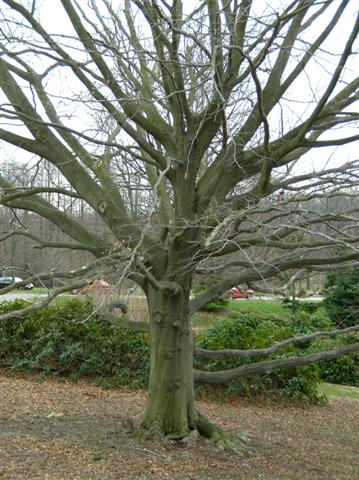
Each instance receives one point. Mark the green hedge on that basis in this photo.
(71, 339)
(246, 330)
(342, 299)
(343, 370)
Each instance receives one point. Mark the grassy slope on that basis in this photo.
(342, 391)
(263, 306)
(206, 319)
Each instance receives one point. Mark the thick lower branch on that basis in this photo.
(122, 322)
(201, 352)
(42, 244)
(266, 367)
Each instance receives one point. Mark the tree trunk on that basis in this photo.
(171, 408)
(171, 412)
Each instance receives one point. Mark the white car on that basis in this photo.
(28, 286)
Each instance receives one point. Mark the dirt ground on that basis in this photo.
(60, 430)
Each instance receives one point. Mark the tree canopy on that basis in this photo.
(188, 131)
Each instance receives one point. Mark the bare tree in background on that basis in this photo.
(188, 133)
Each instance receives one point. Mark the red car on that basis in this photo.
(237, 292)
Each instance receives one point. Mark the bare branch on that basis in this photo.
(274, 348)
(266, 367)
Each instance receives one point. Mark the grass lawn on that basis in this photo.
(38, 290)
(206, 319)
(262, 306)
(342, 391)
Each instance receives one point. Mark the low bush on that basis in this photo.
(217, 305)
(302, 305)
(342, 299)
(305, 322)
(70, 339)
(246, 330)
(343, 370)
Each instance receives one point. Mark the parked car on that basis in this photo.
(6, 281)
(238, 292)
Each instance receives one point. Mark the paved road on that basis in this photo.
(278, 298)
(23, 295)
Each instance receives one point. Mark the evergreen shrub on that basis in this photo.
(343, 370)
(342, 299)
(246, 330)
(71, 339)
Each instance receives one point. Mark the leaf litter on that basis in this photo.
(59, 430)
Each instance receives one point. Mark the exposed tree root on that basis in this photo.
(152, 433)
(223, 440)
(191, 439)
(155, 434)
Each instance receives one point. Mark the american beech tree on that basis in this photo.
(201, 134)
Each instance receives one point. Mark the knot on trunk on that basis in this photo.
(174, 385)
